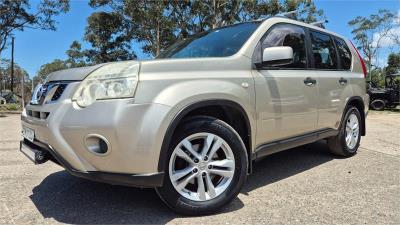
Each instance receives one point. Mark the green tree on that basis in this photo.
(18, 15)
(76, 57)
(393, 66)
(146, 20)
(109, 38)
(306, 10)
(48, 68)
(369, 32)
(378, 77)
(19, 74)
(150, 25)
(157, 24)
(256, 9)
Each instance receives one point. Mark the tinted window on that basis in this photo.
(288, 35)
(221, 42)
(323, 50)
(344, 53)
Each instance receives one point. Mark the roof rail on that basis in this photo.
(287, 14)
(290, 14)
(283, 14)
(320, 23)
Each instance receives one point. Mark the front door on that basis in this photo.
(287, 95)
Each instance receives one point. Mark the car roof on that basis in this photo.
(284, 19)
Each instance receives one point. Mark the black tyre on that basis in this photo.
(347, 141)
(378, 104)
(207, 166)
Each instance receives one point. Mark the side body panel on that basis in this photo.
(333, 97)
(201, 80)
(286, 106)
(356, 78)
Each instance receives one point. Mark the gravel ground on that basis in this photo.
(305, 185)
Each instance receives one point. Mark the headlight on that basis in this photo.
(116, 80)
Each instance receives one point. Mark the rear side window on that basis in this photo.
(288, 35)
(344, 53)
(323, 50)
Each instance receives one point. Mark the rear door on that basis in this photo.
(332, 80)
(286, 95)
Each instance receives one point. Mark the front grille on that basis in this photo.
(60, 89)
(49, 92)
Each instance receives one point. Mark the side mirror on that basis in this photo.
(277, 56)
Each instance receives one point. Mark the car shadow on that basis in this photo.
(73, 200)
(287, 163)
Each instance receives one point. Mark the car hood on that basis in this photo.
(160, 67)
(72, 74)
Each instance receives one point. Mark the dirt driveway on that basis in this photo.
(305, 185)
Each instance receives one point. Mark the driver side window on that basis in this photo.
(288, 35)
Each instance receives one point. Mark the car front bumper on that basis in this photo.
(42, 152)
(134, 133)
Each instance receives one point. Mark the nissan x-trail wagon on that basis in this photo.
(190, 122)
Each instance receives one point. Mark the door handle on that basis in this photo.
(342, 81)
(310, 82)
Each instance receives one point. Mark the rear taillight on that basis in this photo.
(364, 68)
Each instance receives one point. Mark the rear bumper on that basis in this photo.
(134, 180)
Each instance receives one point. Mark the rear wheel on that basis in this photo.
(207, 167)
(378, 104)
(346, 143)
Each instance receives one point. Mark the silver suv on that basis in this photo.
(191, 121)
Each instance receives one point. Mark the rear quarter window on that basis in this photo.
(344, 53)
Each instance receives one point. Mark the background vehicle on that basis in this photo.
(191, 122)
(387, 97)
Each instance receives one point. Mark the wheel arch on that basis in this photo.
(191, 110)
(357, 102)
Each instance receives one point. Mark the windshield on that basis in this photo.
(220, 42)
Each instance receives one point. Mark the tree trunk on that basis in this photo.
(1, 77)
(12, 64)
(158, 39)
(214, 18)
(369, 67)
(22, 90)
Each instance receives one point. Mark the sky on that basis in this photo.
(34, 48)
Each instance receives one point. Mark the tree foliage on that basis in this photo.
(76, 57)
(108, 37)
(18, 15)
(19, 73)
(393, 66)
(48, 68)
(157, 24)
(370, 31)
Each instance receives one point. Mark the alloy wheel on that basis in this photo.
(352, 131)
(201, 166)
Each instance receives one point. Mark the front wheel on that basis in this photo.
(207, 167)
(347, 141)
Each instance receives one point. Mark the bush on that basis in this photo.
(10, 107)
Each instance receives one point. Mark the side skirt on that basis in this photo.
(284, 144)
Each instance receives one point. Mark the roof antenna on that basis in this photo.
(320, 23)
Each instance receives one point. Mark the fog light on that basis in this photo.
(97, 144)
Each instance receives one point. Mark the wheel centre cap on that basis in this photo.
(202, 165)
